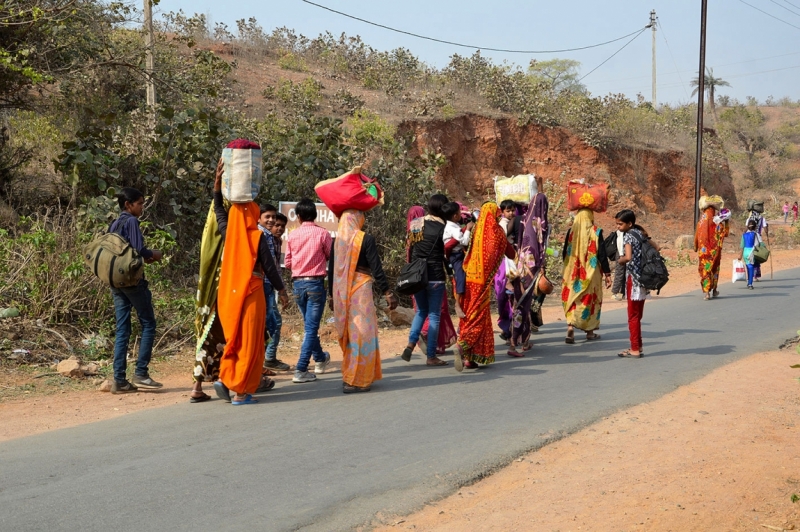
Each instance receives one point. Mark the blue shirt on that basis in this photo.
(272, 249)
(127, 226)
(749, 240)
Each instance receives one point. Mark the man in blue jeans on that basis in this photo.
(266, 222)
(307, 250)
(131, 203)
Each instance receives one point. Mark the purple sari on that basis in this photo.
(530, 260)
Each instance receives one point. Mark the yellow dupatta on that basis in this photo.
(582, 292)
(487, 246)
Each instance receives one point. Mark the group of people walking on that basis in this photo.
(499, 250)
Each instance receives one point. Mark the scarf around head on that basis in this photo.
(535, 233)
(349, 239)
(241, 248)
(487, 246)
(414, 224)
(581, 264)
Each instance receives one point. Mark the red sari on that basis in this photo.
(486, 250)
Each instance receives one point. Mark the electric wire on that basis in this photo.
(784, 7)
(470, 45)
(615, 53)
(770, 15)
(791, 4)
(674, 62)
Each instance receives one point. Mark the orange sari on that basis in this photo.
(241, 305)
(486, 251)
(354, 307)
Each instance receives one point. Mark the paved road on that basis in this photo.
(310, 458)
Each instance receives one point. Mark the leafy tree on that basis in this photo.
(559, 74)
(745, 127)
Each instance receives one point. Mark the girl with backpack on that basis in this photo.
(634, 237)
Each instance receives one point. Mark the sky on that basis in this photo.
(757, 54)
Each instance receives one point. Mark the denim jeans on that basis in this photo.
(274, 323)
(140, 298)
(429, 305)
(310, 297)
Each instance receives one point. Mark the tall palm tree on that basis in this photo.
(711, 83)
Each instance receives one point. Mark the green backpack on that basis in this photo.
(114, 261)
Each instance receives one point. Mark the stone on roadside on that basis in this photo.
(401, 316)
(105, 386)
(90, 369)
(70, 368)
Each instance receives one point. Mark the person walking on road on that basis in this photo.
(795, 208)
(486, 251)
(635, 235)
(308, 249)
(708, 239)
(762, 228)
(355, 266)
(750, 240)
(585, 268)
(785, 212)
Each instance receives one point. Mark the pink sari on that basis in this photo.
(447, 331)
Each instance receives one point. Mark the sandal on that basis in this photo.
(435, 362)
(471, 365)
(592, 337)
(407, 354)
(627, 354)
(248, 400)
(527, 347)
(266, 385)
(202, 399)
(222, 391)
(355, 389)
(514, 353)
(459, 360)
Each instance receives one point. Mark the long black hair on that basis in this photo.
(629, 217)
(435, 204)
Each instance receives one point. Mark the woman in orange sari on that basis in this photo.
(708, 240)
(487, 248)
(356, 266)
(240, 301)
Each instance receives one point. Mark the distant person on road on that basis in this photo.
(708, 239)
(308, 249)
(354, 267)
(785, 212)
(794, 210)
(632, 261)
(585, 268)
(131, 203)
(489, 245)
(762, 228)
(750, 240)
(240, 301)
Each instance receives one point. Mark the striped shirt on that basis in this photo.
(307, 250)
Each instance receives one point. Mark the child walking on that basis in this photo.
(266, 223)
(750, 240)
(635, 235)
(455, 243)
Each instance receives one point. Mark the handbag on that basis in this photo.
(739, 271)
(413, 276)
(761, 253)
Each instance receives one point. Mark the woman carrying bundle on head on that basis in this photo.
(585, 267)
(488, 246)
(708, 239)
(241, 305)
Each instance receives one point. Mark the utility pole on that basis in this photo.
(653, 26)
(701, 92)
(148, 41)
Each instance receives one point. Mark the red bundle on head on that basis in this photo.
(243, 144)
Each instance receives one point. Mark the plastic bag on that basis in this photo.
(739, 271)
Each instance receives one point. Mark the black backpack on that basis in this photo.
(610, 243)
(654, 274)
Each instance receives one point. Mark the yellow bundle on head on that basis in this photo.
(711, 201)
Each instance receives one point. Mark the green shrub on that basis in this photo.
(290, 61)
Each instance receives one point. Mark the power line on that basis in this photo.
(791, 4)
(615, 53)
(470, 45)
(771, 16)
(677, 69)
(784, 7)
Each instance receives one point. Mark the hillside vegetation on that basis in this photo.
(76, 129)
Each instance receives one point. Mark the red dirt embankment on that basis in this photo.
(653, 183)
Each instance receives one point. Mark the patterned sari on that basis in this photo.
(240, 302)
(354, 306)
(582, 294)
(530, 261)
(708, 242)
(206, 325)
(484, 256)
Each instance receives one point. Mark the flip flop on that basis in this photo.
(355, 389)
(459, 361)
(569, 340)
(593, 337)
(202, 399)
(436, 364)
(628, 354)
(515, 354)
(248, 400)
(222, 391)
